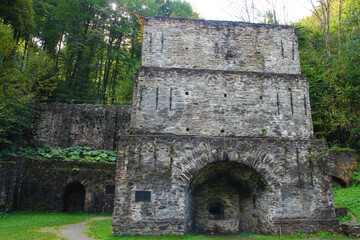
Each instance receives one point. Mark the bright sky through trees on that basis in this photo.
(222, 9)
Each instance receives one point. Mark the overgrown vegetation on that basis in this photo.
(349, 198)
(330, 55)
(26, 225)
(80, 154)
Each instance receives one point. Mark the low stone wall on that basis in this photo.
(342, 167)
(82, 125)
(11, 183)
(41, 185)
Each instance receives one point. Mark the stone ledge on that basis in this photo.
(217, 22)
(212, 71)
(351, 229)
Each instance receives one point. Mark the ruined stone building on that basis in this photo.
(220, 135)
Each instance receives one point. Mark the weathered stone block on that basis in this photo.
(342, 167)
(79, 125)
(219, 45)
(221, 103)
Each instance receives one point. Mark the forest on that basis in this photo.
(86, 52)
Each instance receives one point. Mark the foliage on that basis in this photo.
(69, 51)
(95, 45)
(349, 198)
(80, 154)
(26, 225)
(23, 82)
(332, 69)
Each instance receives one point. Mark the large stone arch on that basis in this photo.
(201, 200)
(255, 157)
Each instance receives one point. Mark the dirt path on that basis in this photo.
(74, 231)
(353, 217)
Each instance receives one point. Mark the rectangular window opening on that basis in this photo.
(142, 196)
(110, 189)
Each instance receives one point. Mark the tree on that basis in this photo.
(334, 81)
(323, 13)
(23, 82)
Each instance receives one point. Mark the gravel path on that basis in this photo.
(74, 231)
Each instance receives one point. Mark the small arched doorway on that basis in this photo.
(74, 197)
(226, 197)
(338, 182)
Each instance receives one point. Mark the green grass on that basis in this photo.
(101, 230)
(24, 225)
(349, 198)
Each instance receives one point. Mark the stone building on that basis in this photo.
(220, 135)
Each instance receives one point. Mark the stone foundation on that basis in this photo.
(261, 183)
(42, 185)
(220, 135)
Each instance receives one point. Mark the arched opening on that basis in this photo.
(74, 197)
(226, 197)
(337, 182)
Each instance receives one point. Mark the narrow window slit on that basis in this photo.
(155, 156)
(282, 49)
(305, 106)
(293, 50)
(157, 98)
(292, 104)
(162, 42)
(170, 99)
(139, 160)
(298, 166)
(151, 42)
(278, 103)
(141, 97)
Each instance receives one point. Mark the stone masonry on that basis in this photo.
(220, 135)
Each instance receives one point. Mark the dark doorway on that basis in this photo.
(74, 197)
(337, 182)
(226, 197)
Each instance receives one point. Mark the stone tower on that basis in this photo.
(220, 137)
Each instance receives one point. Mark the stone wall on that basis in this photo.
(221, 103)
(168, 166)
(342, 167)
(221, 135)
(82, 125)
(194, 44)
(40, 185)
(11, 183)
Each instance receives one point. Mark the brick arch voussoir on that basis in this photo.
(204, 155)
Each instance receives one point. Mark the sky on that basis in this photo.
(221, 9)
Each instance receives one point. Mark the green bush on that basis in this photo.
(80, 154)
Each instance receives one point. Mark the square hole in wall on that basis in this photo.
(110, 189)
(142, 196)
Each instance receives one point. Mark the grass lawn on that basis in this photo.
(101, 230)
(24, 225)
(350, 198)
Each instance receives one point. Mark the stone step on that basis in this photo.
(351, 229)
